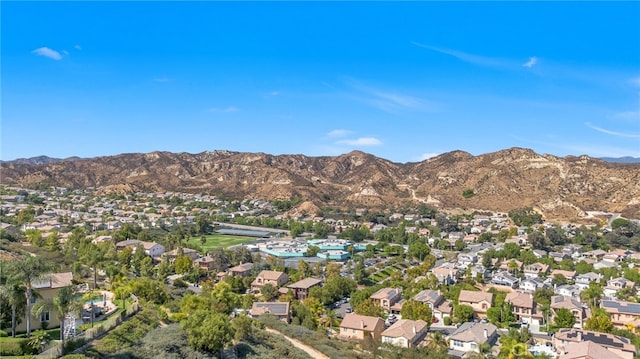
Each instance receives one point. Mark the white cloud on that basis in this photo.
(361, 141)
(77, 47)
(612, 133)
(339, 133)
(160, 79)
(47, 52)
(388, 101)
(228, 109)
(427, 155)
(627, 115)
(532, 62)
(466, 57)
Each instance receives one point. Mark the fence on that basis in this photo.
(93, 333)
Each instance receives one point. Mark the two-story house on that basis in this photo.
(358, 327)
(440, 307)
(505, 279)
(241, 270)
(44, 291)
(536, 270)
(615, 285)
(479, 301)
(573, 305)
(583, 280)
(522, 305)
(405, 333)
(275, 278)
(530, 285)
(470, 336)
(386, 297)
(624, 315)
(301, 288)
(616, 346)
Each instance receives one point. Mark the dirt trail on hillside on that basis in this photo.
(296, 343)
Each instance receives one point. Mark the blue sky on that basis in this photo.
(403, 81)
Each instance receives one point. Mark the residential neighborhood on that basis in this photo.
(418, 280)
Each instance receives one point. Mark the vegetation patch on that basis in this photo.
(212, 241)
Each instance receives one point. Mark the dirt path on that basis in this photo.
(296, 343)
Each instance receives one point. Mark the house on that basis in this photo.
(510, 265)
(301, 288)
(573, 305)
(440, 308)
(242, 270)
(405, 333)
(469, 336)
(615, 345)
(623, 314)
(467, 259)
(446, 274)
(531, 284)
(588, 350)
(274, 278)
(523, 306)
(207, 262)
(568, 274)
(152, 249)
(279, 309)
(539, 253)
(615, 285)
(479, 301)
(505, 279)
(386, 297)
(172, 255)
(359, 327)
(569, 290)
(535, 270)
(44, 291)
(583, 280)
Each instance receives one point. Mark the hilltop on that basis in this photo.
(560, 188)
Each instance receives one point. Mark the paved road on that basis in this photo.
(296, 343)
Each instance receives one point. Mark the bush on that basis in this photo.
(447, 320)
(13, 348)
(75, 356)
(3, 334)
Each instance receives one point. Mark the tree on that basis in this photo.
(12, 293)
(419, 250)
(312, 251)
(183, 263)
(415, 310)
(332, 269)
(268, 291)
(462, 313)
(599, 321)
(368, 307)
(26, 271)
(592, 294)
(243, 327)
(94, 256)
(564, 318)
(208, 331)
(303, 268)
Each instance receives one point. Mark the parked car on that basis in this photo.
(349, 310)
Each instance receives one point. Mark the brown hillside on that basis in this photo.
(501, 181)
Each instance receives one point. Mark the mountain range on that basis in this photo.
(558, 187)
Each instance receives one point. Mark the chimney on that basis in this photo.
(362, 324)
(579, 335)
(414, 329)
(486, 334)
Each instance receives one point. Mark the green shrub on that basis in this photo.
(75, 356)
(3, 334)
(447, 320)
(12, 348)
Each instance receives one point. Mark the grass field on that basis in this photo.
(218, 240)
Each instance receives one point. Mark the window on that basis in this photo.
(33, 299)
(44, 317)
(457, 343)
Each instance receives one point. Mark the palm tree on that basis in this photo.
(13, 294)
(64, 302)
(94, 256)
(437, 342)
(592, 294)
(26, 271)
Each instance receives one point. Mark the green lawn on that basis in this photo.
(218, 240)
